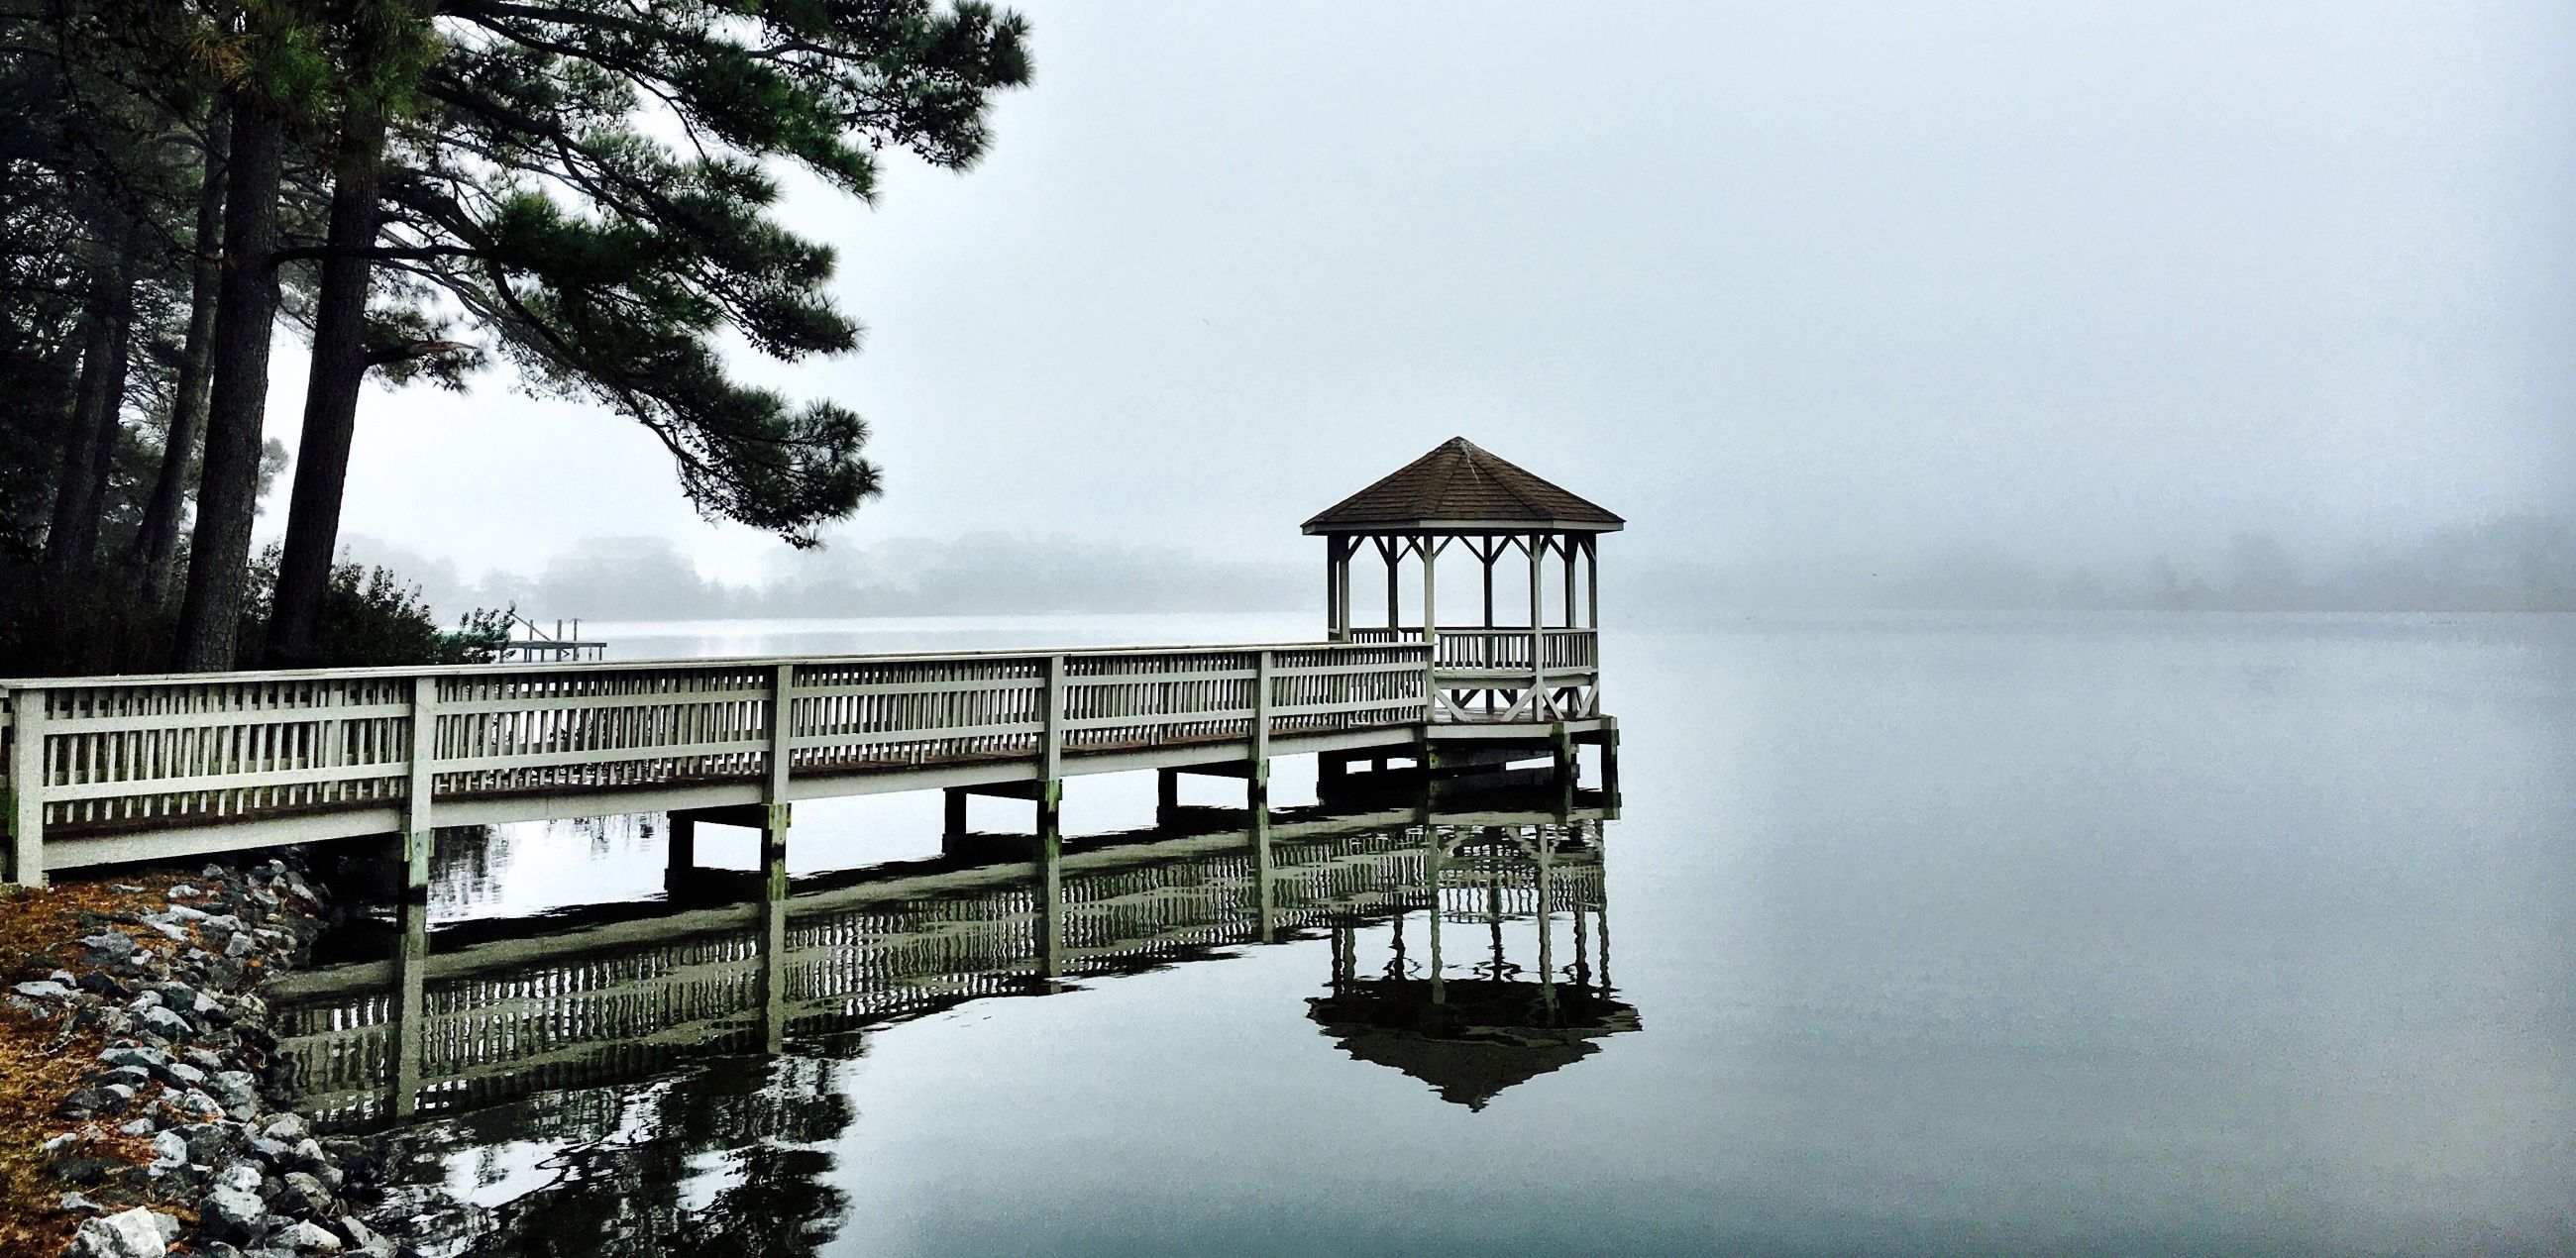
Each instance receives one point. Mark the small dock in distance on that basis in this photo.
(559, 647)
(111, 770)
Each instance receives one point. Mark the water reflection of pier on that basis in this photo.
(466, 1026)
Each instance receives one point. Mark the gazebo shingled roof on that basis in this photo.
(1462, 487)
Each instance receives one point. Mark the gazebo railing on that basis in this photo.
(1472, 649)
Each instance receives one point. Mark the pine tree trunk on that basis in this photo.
(245, 315)
(158, 538)
(90, 441)
(330, 404)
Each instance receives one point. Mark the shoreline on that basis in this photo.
(150, 1117)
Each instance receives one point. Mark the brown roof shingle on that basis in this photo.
(1462, 486)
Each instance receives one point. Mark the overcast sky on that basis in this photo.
(2079, 279)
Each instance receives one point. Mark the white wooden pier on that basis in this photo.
(108, 770)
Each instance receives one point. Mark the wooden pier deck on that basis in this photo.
(107, 770)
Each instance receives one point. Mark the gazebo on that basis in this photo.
(1544, 668)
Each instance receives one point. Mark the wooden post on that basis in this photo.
(681, 850)
(1432, 857)
(1565, 547)
(1051, 745)
(1610, 763)
(956, 809)
(1487, 553)
(1264, 875)
(1430, 594)
(773, 929)
(411, 979)
(420, 828)
(1334, 626)
(1050, 791)
(782, 721)
(1592, 580)
(1050, 877)
(1538, 645)
(1568, 769)
(1167, 795)
(26, 788)
(1258, 779)
(1546, 929)
(1387, 548)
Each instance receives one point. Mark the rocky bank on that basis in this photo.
(167, 998)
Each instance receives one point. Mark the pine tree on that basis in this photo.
(605, 263)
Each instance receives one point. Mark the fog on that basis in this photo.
(2083, 305)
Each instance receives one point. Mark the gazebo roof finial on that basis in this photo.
(1462, 487)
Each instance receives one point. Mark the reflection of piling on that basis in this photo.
(411, 977)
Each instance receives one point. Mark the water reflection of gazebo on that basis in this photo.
(1500, 1024)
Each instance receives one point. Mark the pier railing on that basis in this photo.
(156, 763)
(1499, 650)
(1555, 672)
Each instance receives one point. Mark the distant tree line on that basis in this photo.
(2510, 563)
(582, 190)
(651, 578)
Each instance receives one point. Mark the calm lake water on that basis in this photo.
(2066, 934)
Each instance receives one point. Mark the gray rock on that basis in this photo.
(62, 1142)
(135, 1055)
(109, 944)
(183, 1074)
(169, 1149)
(309, 1238)
(172, 931)
(200, 1105)
(301, 1195)
(127, 1235)
(238, 1092)
(139, 1127)
(44, 989)
(207, 1142)
(286, 1128)
(169, 1227)
(238, 1175)
(168, 1022)
(234, 1216)
(78, 1201)
(184, 892)
(239, 945)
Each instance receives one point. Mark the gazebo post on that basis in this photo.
(1387, 548)
(1333, 589)
(1430, 591)
(1592, 581)
(1565, 547)
(1487, 551)
(1342, 585)
(1538, 638)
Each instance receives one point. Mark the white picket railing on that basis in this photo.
(122, 755)
(1479, 649)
